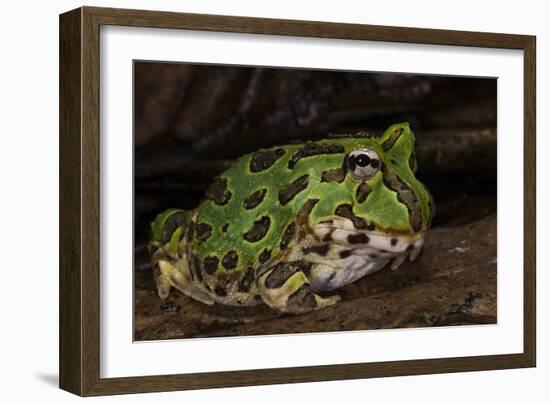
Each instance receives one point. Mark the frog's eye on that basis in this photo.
(363, 163)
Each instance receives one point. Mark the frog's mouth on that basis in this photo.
(344, 253)
(342, 232)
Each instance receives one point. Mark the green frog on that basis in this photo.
(284, 224)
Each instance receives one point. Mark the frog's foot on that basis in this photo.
(176, 275)
(285, 287)
(416, 248)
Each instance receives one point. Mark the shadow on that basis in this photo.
(50, 379)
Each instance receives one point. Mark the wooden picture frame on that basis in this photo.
(79, 201)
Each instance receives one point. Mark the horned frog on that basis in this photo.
(285, 223)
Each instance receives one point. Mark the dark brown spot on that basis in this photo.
(311, 149)
(328, 236)
(225, 227)
(301, 299)
(230, 260)
(288, 235)
(320, 250)
(406, 196)
(344, 254)
(329, 222)
(259, 229)
(218, 192)
(393, 242)
(171, 224)
(363, 190)
(302, 218)
(196, 264)
(371, 227)
(289, 191)
(410, 247)
(393, 162)
(333, 175)
(254, 199)
(262, 160)
(203, 231)
(219, 290)
(390, 141)
(345, 165)
(210, 264)
(264, 256)
(282, 272)
(373, 256)
(190, 231)
(358, 238)
(412, 162)
(246, 280)
(346, 211)
(304, 212)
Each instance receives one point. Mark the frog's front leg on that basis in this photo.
(176, 274)
(286, 288)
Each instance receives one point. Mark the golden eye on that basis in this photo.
(363, 163)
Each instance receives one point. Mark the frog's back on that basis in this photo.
(242, 220)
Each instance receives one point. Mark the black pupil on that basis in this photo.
(362, 160)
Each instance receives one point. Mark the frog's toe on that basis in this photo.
(416, 249)
(328, 301)
(398, 261)
(163, 286)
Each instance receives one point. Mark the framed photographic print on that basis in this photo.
(251, 201)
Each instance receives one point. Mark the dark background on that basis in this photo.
(191, 121)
